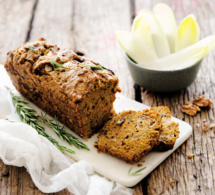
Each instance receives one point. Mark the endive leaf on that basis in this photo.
(135, 47)
(188, 33)
(184, 58)
(141, 28)
(158, 37)
(136, 22)
(166, 18)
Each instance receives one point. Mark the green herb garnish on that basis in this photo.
(61, 132)
(93, 66)
(30, 117)
(55, 64)
(136, 173)
(31, 47)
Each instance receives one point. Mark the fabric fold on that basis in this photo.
(50, 169)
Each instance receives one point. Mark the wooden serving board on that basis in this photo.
(104, 164)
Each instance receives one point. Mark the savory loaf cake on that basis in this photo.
(169, 130)
(130, 135)
(78, 91)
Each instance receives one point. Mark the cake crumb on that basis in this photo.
(139, 165)
(190, 156)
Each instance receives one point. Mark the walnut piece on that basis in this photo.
(48, 68)
(201, 101)
(212, 126)
(205, 126)
(190, 109)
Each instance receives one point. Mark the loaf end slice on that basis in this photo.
(164, 113)
(169, 130)
(168, 136)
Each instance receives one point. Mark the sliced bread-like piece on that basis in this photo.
(169, 130)
(168, 136)
(164, 113)
(130, 135)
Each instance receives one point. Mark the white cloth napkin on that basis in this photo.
(50, 170)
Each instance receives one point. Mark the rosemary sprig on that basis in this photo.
(55, 64)
(136, 173)
(30, 117)
(31, 47)
(61, 132)
(93, 66)
(26, 114)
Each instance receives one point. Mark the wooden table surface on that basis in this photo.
(89, 27)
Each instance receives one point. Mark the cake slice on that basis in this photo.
(164, 113)
(130, 135)
(168, 136)
(169, 130)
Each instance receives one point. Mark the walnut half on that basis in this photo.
(190, 109)
(201, 101)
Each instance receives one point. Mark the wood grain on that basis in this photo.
(89, 27)
(14, 24)
(178, 174)
(86, 27)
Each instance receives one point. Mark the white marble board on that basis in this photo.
(104, 164)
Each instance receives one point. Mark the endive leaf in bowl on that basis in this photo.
(166, 18)
(158, 37)
(188, 33)
(135, 47)
(141, 28)
(185, 57)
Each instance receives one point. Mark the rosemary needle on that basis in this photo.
(30, 117)
(136, 173)
(54, 64)
(31, 47)
(93, 66)
(61, 132)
